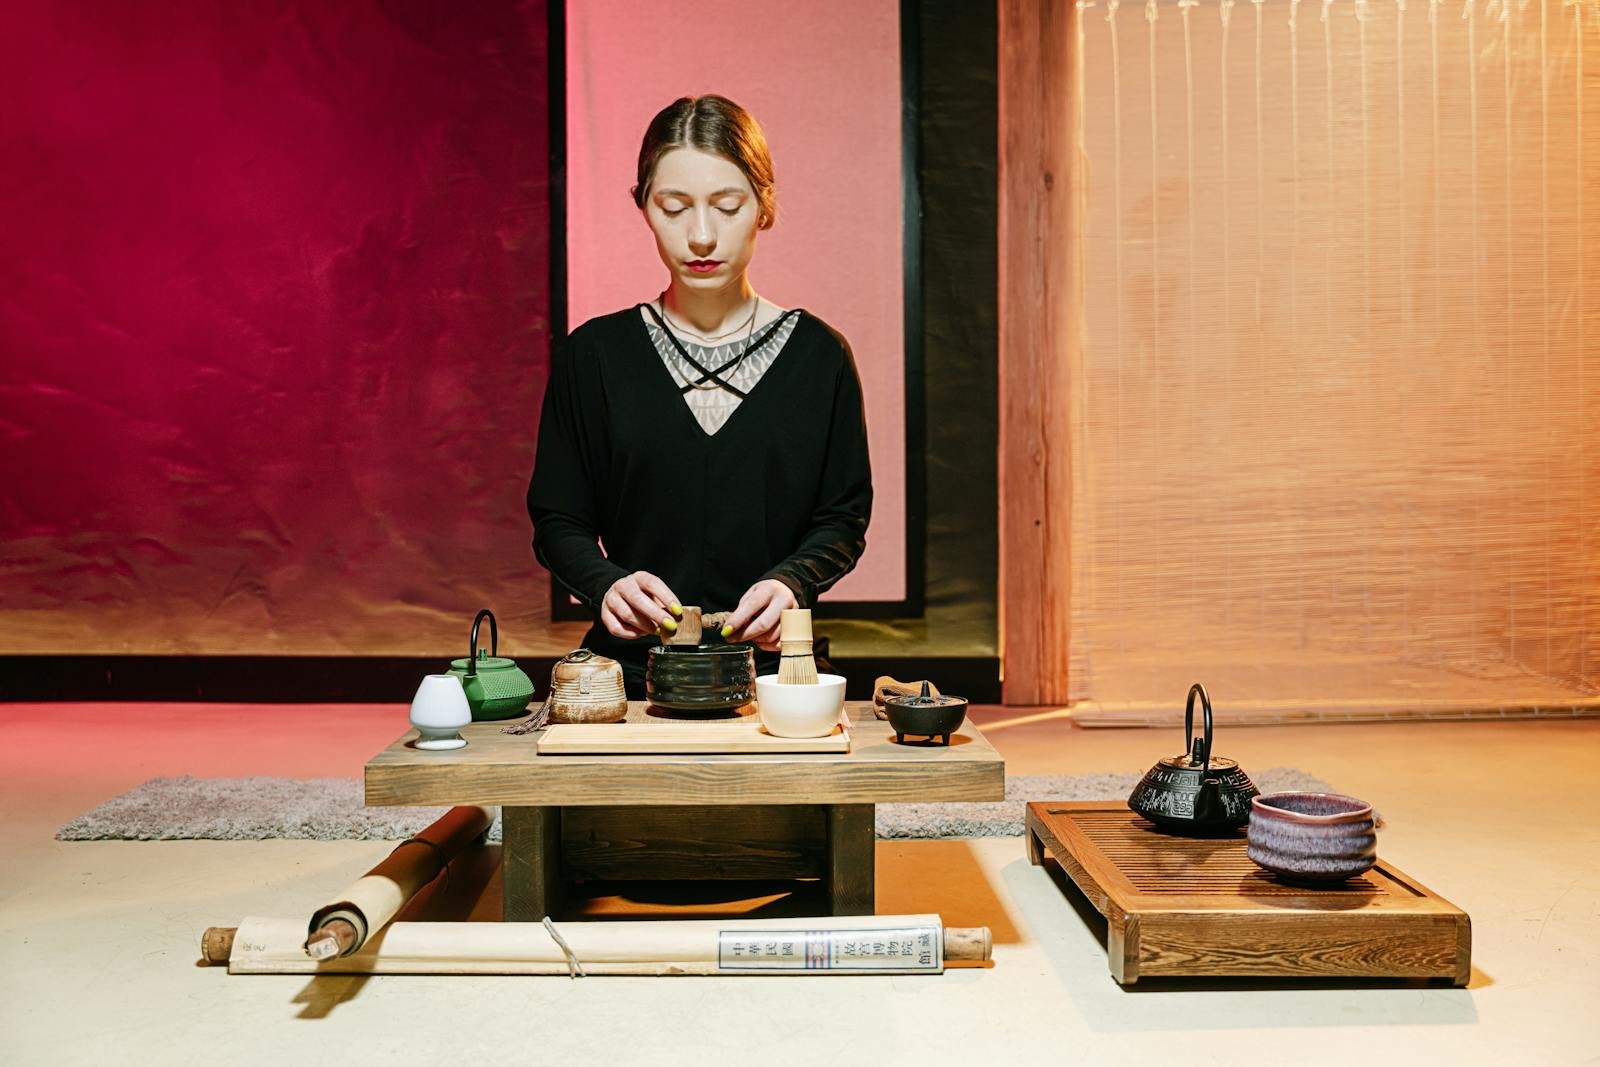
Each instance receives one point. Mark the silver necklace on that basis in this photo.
(707, 374)
(712, 338)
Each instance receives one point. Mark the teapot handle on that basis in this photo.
(1188, 721)
(494, 641)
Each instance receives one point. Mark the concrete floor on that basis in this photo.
(98, 941)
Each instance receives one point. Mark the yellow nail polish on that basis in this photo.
(676, 609)
(727, 631)
(669, 626)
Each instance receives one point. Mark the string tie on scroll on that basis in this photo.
(574, 968)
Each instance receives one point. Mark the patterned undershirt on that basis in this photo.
(709, 403)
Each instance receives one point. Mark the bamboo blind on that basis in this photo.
(1333, 410)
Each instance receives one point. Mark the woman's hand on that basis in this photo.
(759, 612)
(637, 605)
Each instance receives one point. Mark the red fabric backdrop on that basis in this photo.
(273, 314)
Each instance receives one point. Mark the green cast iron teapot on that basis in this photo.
(496, 687)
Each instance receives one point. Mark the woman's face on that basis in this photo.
(705, 217)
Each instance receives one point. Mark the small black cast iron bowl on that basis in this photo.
(928, 721)
(700, 677)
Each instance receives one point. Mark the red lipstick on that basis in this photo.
(703, 266)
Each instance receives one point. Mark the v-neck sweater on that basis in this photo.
(626, 479)
(739, 366)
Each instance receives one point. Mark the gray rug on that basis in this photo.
(331, 809)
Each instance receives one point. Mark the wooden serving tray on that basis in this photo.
(1191, 907)
(743, 735)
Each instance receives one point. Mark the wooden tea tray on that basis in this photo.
(743, 735)
(1190, 907)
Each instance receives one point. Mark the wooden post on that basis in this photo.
(851, 870)
(531, 851)
(1040, 328)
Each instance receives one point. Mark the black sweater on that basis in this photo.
(783, 490)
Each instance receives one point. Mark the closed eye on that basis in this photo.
(673, 213)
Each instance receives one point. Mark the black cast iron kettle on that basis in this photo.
(1196, 794)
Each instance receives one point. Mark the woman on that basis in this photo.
(713, 442)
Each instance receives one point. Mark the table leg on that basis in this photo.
(851, 868)
(531, 875)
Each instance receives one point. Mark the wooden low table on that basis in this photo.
(1189, 907)
(686, 817)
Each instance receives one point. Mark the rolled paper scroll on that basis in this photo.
(344, 924)
(858, 944)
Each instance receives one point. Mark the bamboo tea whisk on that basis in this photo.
(797, 666)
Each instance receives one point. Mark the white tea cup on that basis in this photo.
(439, 711)
(800, 710)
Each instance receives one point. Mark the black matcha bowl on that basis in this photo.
(700, 677)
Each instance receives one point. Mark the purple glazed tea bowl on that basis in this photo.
(1312, 837)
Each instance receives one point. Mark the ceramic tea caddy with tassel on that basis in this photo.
(496, 687)
(1195, 794)
(585, 687)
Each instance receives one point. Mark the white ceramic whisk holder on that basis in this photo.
(439, 711)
